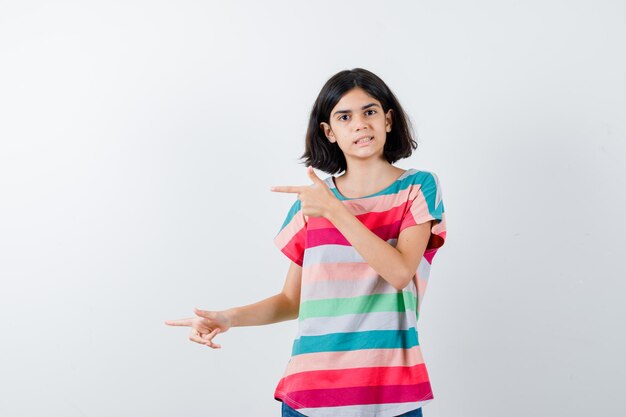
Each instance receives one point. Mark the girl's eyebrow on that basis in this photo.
(362, 108)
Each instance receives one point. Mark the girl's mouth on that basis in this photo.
(364, 141)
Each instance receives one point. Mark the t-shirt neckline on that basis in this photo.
(331, 179)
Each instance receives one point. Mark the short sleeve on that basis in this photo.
(291, 238)
(425, 204)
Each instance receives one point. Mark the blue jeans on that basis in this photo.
(290, 412)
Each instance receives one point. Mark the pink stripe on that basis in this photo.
(372, 220)
(356, 395)
(440, 228)
(295, 248)
(354, 359)
(421, 285)
(289, 231)
(384, 227)
(343, 270)
(362, 377)
(357, 207)
(419, 213)
(419, 208)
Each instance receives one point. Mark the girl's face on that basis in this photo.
(358, 115)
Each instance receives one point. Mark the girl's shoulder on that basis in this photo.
(409, 172)
(419, 173)
(416, 175)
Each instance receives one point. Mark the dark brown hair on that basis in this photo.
(328, 157)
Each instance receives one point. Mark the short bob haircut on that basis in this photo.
(320, 153)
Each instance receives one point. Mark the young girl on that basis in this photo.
(361, 245)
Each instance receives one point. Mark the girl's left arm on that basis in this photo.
(397, 265)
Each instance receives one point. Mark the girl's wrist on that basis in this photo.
(231, 316)
(334, 210)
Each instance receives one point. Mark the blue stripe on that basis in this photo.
(372, 339)
(418, 177)
(295, 207)
(429, 189)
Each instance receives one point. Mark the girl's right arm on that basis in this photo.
(281, 307)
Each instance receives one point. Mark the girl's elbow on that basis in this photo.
(400, 278)
(404, 281)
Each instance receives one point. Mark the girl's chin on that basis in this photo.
(366, 154)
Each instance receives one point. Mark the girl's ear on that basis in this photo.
(328, 132)
(389, 120)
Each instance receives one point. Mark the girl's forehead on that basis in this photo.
(354, 100)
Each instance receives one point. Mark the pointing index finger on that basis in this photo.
(181, 322)
(287, 188)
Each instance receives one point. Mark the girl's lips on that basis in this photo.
(365, 143)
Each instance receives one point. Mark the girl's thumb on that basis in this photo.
(312, 174)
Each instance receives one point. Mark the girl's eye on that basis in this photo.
(371, 110)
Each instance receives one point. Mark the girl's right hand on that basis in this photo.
(205, 326)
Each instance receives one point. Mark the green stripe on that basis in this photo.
(400, 301)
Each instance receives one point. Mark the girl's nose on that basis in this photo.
(359, 122)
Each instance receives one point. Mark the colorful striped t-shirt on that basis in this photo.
(357, 353)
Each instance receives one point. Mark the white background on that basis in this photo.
(139, 141)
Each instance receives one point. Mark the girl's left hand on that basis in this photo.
(317, 200)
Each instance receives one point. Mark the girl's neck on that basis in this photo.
(366, 178)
